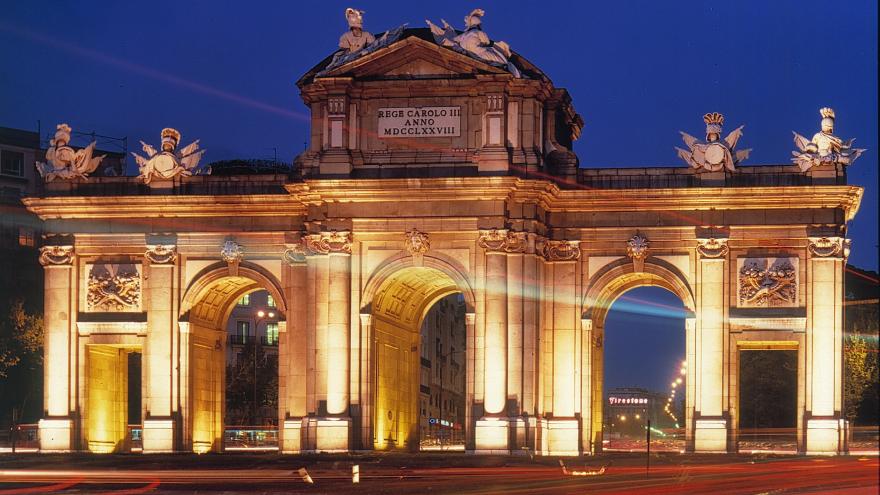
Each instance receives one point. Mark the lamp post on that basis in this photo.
(261, 316)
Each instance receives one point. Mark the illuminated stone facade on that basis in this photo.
(358, 244)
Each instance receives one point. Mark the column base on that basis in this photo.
(56, 435)
(825, 436)
(158, 438)
(331, 434)
(291, 436)
(563, 437)
(710, 436)
(542, 446)
(492, 436)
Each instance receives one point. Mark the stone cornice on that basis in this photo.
(544, 193)
(163, 206)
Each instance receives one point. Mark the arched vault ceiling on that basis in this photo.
(215, 302)
(404, 297)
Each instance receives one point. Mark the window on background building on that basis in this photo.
(245, 300)
(244, 329)
(270, 301)
(12, 163)
(25, 237)
(272, 333)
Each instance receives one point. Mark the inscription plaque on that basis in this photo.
(408, 122)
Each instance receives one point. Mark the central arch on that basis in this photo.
(205, 310)
(399, 296)
(606, 286)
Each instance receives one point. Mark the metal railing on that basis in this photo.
(767, 439)
(250, 438)
(20, 438)
(864, 439)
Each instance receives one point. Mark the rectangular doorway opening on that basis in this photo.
(768, 401)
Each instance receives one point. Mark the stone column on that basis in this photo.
(470, 324)
(293, 350)
(159, 367)
(711, 424)
(367, 382)
(586, 387)
(563, 428)
(338, 334)
(492, 430)
(530, 328)
(56, 429)
(330, 252)
(824, 349)
(690, 329)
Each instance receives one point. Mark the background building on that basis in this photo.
(245, 324)
(442, 385)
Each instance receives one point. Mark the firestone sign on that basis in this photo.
(419, 122)
(627, 401)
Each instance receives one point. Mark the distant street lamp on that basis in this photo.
(261, 315)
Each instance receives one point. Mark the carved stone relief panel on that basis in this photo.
(113, 287)
(767, 282)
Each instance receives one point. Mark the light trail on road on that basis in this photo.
(740, 475)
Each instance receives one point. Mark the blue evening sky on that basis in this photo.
(638, 72)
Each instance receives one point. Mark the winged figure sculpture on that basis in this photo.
(714, 154)
(170, 162)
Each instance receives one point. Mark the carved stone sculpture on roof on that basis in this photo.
(356, 42)
(170, 162)
(63, 162)
(825, 148)
(714, 154)
(474, 42)
(355, 38)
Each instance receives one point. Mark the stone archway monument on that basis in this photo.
(440, 162)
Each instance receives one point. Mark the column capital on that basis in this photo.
(712, 248)
(829, 247)
(333, 242)
(560, 250)
(294, 254)
(470, 318)
(503, 241)
(56, 255)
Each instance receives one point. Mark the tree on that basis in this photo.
(21, 338)
(21, 359)
(768, 389)
(240, 387)
(860, 369)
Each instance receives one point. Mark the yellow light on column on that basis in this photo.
(261, 313)
(678, 381)
(623, 418)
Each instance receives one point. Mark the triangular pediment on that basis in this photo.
(413, 57)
